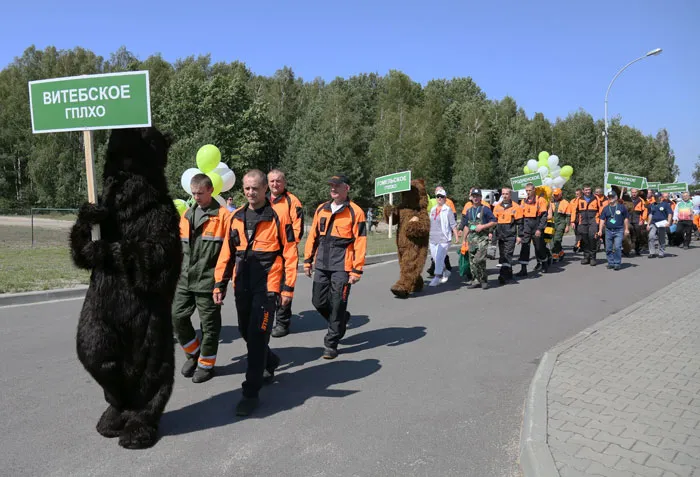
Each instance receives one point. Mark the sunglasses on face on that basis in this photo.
(440, 196)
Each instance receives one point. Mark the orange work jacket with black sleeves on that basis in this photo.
(639, 212)
(337, 241)
(534, 214)
(288, 203)
(201, 244)
(510, 219)
(585, 213)
(259, 264)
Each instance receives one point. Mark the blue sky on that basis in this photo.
(551, 56)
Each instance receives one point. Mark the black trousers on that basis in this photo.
(685, 228)
(283, 314)
(635, 233)
(506, 247)
(256, 311)
(330, 294)
(589, 244)
(538, 242)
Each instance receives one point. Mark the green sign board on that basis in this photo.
(653, 185)
(675, 187)
(398, 182)
(84, 103)
(520, 182)
(624, 180)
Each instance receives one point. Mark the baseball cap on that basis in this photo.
(440, 191)
(476, 192)
(339, 179)
(556, 191)
(611, 193)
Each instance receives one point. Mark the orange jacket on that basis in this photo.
(337, 241)
(450, 204)
(562, 207)
(288, 203)
(639, 211)
(260, 264)
(583, 212)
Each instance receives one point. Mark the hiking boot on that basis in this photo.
(594, 262)
(280, 330)
(473, 285)
(538, 267)
(502, 280)
(272, 365)
(484, 285)
(330, 353)
(246, 406)
(522, 272)
(616, 267)
(585, 261)
(189, 366)
(202, 374)
(609, 266)
(652, 255)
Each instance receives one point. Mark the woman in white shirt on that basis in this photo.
(442, 228)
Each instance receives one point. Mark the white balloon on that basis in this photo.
(532, 165)
(553, 161)
(558, 181)
(555, 171)
(696, 200)
(220, 200)
(229, 180)
(187, 178)
(543, 171)
(548, 181)
(222, 169)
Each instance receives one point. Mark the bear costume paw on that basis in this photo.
(138, 435)
(111, 423)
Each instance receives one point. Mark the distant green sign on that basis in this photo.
(392, 183)
(675, 187)
(83, 103)
(624, 180)
(519, 182)
(653, 185)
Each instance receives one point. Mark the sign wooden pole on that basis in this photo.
(90, 176)
(391, 215)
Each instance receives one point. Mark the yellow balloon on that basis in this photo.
(181, 206)
(566, 171)
(216, 181)
(543, 156)
(208, 157)
(526, 170)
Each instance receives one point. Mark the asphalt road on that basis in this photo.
(430, 386)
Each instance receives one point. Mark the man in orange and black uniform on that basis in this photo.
(510, 218)
(578, 195)
(602, 202)
(534, 222)
(285, 203)
(584, 217)
(638, 219)
(336, 248)
(260, 256)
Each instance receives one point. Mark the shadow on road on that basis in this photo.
(311, 320)
(393, 336)
(290, 390)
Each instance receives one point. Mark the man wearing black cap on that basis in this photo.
(336, 248)
(615, 219)
(477, 224)
(659, 219)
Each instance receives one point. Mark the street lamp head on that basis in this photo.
(654, 52)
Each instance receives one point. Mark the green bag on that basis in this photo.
(465, 270)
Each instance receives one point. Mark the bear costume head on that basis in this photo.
(416, 198)
(139, 151)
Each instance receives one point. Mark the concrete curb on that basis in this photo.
(23, 298)
(7, 299)
(535, 456)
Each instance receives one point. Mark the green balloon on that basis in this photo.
(217, 182)
(431, 203)
(526, 170)
(181, 206)
(208, 157)
(566, 171)
(542, 157)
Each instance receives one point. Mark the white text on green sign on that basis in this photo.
(398, 182)
(79, 103)
(623, 180)
(653, 185)
(675, 187)
(520, 182)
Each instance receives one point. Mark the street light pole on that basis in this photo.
(651, 53)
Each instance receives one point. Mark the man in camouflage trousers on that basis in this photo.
(476, 224)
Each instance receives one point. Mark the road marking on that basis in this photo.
(42, 302)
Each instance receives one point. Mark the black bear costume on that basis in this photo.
(125, 336)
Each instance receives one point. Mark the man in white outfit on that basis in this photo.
(443, 227)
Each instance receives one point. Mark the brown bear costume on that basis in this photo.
(411, 217)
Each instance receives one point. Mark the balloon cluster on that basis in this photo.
(552, 174)
(209, 163)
